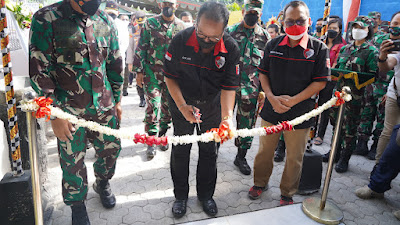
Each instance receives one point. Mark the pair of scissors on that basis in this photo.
(196, 116)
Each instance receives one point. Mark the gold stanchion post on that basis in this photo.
(319, 209)
(31, 124)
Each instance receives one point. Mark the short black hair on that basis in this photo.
(214, 11)
(320, 19)
(274, 26)
(185, 13)
(295, 4)
(395, 14)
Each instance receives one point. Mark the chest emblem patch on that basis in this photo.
(219, 62)
(308, 53)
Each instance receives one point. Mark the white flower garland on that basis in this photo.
(31, 106)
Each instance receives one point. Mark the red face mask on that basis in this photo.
(295, 32)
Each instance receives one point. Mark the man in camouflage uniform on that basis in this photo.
(75, 60)
(357, 56)
(374, 108)
(252, 39)
(134, 28)
(155, 38)
(377, 19)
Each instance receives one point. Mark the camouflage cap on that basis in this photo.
(255, 5)
(364, 21)
(171, 1)
(111, 7)
(374, 14)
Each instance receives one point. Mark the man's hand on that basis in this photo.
(288, 101)
(63, 129)
(261, 98)
(130, 66)
(383, 102)
(139, 79)
(385, 49)
(277, 106)
(187, 112)
(118, 110)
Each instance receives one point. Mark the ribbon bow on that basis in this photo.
(340, 100)
(43, 110)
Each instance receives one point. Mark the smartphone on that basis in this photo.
(396, 44)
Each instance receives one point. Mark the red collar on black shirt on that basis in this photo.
(303, 42)
(219, 47)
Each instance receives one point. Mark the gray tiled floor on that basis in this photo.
(145, 195)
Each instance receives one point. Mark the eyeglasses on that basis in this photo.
(299, 22)
(202, 36)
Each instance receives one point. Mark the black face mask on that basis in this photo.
(319, 29)
(332, 33)
(90, 7)
(205, 45)
(167, 11)
(251, 19)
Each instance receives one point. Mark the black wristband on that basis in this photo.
(382, 60)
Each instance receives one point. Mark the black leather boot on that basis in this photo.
(372, 151)
(280, 151)
(179, 208)
(241, 162)
(79, 214)
(162, 134)
(102, 187)
(362, 147)
(325, 157)
(343, 163)
(150, 152)
(142, 103)
(124, 93)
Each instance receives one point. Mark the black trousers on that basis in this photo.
(324, 96)
(206, 175)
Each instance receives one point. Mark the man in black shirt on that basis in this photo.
(294, 68)
(201, 72)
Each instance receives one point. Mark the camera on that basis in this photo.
(396, 44)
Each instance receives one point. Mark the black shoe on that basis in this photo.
(125, 93)
(102, 187)
(243, 166)
(179, 208)
(325, 157)
(342, 166)
(164, 148)
(142, 103)
(372, 152)
(79, 214)
(280, 151)
(210, 207)
(150, 152)
(362, 147)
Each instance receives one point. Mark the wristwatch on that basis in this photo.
(382, 60)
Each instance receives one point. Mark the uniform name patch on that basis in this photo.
(219, 62)
(168, 56)
(237, 69)
(308, 53)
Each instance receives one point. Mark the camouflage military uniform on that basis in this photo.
(373, 98)
(359, 59)
(252, 43)
(75, 60)
(149, 59)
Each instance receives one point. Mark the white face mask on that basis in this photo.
(188, 24)
(359, 34)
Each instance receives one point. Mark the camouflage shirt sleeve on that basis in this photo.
(40, 56)
(140, 59)
(372, 60)
(114, 65)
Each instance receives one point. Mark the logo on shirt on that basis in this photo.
(308, 53)
(328, 63)
(186, 58)
(168, 56)
(237, 69)
(219, 62)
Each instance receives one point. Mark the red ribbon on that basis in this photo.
(285, 125)
(150, 140)
(43, 110)
(340, 100)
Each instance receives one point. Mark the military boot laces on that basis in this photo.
(79, 215)
(103, 188)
